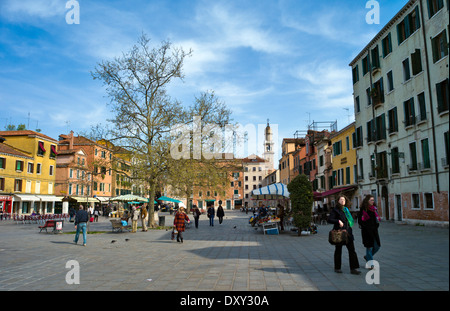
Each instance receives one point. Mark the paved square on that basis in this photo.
(232, 256)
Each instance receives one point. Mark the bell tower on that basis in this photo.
(268, 146)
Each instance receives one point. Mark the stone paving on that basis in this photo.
(232, 256)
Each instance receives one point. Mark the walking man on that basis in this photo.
(81, 219)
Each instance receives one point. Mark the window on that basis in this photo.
(365, 64)
(355, 74)
(2, 184)
(416, 62)
(19, 165)
(393, 123)
(70, 189)
(422, 107)
(442, 96)
(3, 163)
(51, 170)
(434, 6)
(347, 145)
(361, 169)
(30, 168)
(378, 92)
(439, 46)
(425, 154)
(375, 58)
(38, 168)
(53, 152)
(447, 150)
(408, 25)
(410, 117)
(386, 45)
(415, 201)
(337, 148)
(357, 107)
(428, 200)
(18, 185)
(414, 20)
(401, 32)
(406, 72)
(380, 124)
(413, 157)
(390, 81)
(395, 161)
(347, 175)
(369, 101)
(357, 137)
(41, 149)
(371, 130)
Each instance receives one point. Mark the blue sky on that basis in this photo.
(284, 60)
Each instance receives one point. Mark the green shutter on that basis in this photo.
(425, 153)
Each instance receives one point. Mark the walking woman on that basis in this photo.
(179, 223)
(220, 212)
(196, 212)
(369, 221)
(341, 218)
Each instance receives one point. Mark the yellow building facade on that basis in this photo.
(29, 175)
(344, 161)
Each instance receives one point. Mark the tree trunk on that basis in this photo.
(151, 210)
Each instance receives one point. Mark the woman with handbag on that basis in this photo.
(179, 223)
(369, 221)
(341, 218)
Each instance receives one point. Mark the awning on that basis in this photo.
(84, 199)
(26, 197)
(332, 191)
(103, 199)
(277, 190)
(168, 199)
(49, 198)
(129, 198)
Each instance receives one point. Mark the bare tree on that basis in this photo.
(144, 114)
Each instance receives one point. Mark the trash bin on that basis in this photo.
(162, 221)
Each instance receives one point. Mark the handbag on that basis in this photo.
(338, 237)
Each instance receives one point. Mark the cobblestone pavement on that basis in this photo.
(231, 256)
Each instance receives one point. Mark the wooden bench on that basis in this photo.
(117, 225)
(48, 224)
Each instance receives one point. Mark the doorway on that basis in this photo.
(398, 201)
(385, 199)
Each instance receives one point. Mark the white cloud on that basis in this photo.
(328, 83)
(25, 9)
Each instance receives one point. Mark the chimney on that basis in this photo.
(71, 140)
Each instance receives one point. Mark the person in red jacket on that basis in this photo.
(179, 223)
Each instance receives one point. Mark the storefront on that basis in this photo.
(24, 203)
(6, 204)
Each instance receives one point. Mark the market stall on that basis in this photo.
(270, 196)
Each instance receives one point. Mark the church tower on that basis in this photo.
(268, 147)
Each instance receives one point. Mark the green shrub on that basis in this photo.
(301, 195)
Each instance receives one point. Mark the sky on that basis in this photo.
(286, 60)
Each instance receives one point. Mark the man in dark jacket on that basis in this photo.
(81, 219)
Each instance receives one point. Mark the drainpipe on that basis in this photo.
(430, 97)
(373, 117)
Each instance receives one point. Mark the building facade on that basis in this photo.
(28, 172)
(401, 93)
